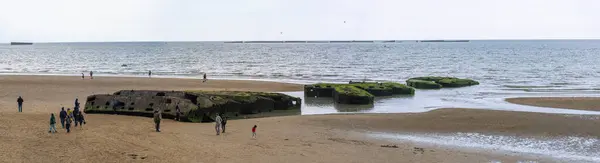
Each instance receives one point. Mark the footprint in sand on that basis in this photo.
(136, 156)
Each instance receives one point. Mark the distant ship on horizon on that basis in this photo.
(21, 43)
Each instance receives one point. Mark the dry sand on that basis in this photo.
(317, 138)
(579, 103)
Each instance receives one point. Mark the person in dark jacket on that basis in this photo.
(20, 103)
(81, 120)
(52, 124)
(77, 102)
(224, 123)
(76, 113)
(62, 115)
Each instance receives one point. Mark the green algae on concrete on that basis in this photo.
(357, 88)
(423, 84)
(447, 82)
(348, 94)
(195, 106)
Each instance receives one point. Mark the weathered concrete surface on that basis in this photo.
(362, 93)
(195, 106)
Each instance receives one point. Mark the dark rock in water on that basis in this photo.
(445, 82)
(357, 92)
(195, 106)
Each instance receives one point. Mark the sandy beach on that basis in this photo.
(314, 138)
(578, 103)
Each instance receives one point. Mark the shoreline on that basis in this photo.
(199, 77)
(116, 138)
(589, 103)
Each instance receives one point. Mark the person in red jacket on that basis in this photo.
(254, 132)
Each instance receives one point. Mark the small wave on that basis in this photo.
(530, 86)
(559, 83)
(562, 90)
(568, 148)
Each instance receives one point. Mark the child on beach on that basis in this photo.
(52, 124)
(254, 132)
(68, 122)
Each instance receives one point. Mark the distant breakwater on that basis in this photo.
(345, 41)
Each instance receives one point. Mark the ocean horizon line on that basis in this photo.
(308, 41)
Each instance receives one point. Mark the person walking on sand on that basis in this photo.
(80, 119)
(52, 124)
(20, 103)
(254, 132)
(69, 113)
(204, 78)
(218, 121)
(177, 113)
(75, 115)
(82, 76)
(91, 75)
(68, 122)
(224, 123)
(77, 103)
(157, 118)
(62, 116)
(149, 73)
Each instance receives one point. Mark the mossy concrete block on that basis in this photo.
(352, 95)
(320, 90)
(195, 106)
(423, 84)
(448, 82)
(453, 83)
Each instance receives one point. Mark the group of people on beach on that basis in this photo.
(91, 75)
(149, 75)
(67, 118)
(220, 122)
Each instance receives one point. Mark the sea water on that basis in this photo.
(504, 68)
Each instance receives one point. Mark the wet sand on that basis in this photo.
(315, 138)
(114, 138)
(578, 103)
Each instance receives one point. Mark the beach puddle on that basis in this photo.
(570, 149)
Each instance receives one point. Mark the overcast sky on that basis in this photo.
(203, 20)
